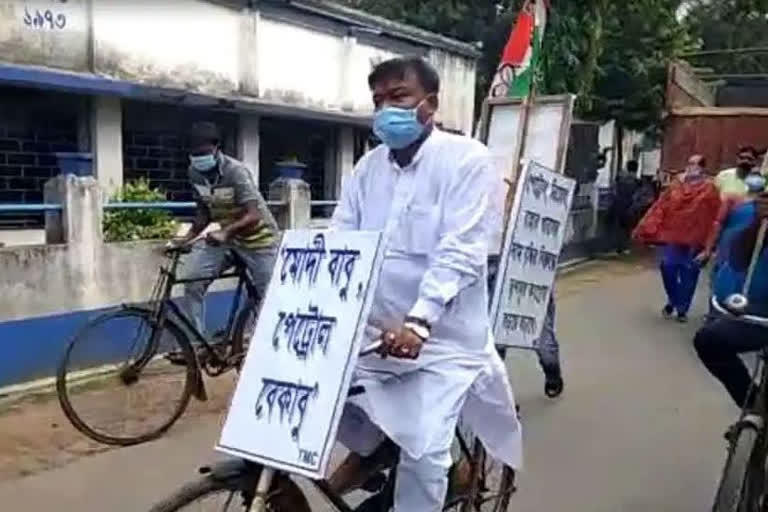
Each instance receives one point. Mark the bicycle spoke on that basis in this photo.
(137, 393)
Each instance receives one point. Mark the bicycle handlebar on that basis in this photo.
(371, 349)
(738, 303)
(172, 250)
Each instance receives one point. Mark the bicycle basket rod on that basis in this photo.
(759, 243)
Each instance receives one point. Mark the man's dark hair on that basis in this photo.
(633, 166)
(202, 133)
(749, 149)
(397, 68)
(703, 162)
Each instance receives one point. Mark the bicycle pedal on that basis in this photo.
(375, 483)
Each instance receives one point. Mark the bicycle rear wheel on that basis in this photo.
(733, 492)
(114, 383)
(492, 490)
(233, 493)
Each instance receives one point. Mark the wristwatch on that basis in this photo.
(419, 327)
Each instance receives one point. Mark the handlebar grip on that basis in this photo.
(178, 249)
(737, 316)
(371, 349)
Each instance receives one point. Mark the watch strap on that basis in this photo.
(418, 329)
(418, 321)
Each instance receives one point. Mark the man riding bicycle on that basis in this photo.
(227, 194)
(720, 342)
(429, 192)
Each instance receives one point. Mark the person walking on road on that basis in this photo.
(547, 345)
(627, 185)
(678, 264)
(680, 223)
(731, 182)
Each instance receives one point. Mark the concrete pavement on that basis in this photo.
(639, 427)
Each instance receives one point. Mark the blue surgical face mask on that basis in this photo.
(203, 163)
(755, 183)
(398, 127)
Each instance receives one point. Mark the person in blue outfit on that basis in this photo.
(719, 342)
(679, 268)
(736, 213)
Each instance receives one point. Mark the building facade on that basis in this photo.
(123, 81)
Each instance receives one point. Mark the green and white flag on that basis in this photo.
(522, 53)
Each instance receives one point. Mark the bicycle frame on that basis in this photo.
(267, 476)
(166, 304)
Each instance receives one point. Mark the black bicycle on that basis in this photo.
(129, 374)
(478, 483)
(742, 486)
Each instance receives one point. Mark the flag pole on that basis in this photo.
(525, 116)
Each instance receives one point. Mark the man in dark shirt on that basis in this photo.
(226, 194)
(626, 186)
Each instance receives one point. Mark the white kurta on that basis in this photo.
(436, 222)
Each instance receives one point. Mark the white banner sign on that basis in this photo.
(535, 236)
(293, 385)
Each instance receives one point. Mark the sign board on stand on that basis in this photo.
(534, 239)
(293, 386)
(515, 131)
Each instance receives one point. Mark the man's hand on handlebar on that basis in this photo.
(216, 238)
(180, 245)
(402, 344)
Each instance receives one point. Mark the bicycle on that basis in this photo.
(742, 485)
(158, 362)
(477, 482)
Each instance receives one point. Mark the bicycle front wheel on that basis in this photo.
(115, 384)
(733, 492)
(233, 494)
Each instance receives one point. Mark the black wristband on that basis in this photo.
(418, 321)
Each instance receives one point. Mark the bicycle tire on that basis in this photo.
(285, 496)
(189, 373)
(493, 491)
(730, 495)
(245, 323)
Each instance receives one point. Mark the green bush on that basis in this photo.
(128, 225)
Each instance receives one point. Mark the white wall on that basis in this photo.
(107, 142)
(57, 38)
(607, 139)
(190, 44)
(457, 93)
(299, 65)
(361, 61)
(207, 48)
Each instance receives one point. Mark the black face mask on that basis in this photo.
(746, 167)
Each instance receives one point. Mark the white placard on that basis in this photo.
(528, 265)
(546, 141)
(294, 383)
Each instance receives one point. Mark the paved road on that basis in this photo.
(638, 429)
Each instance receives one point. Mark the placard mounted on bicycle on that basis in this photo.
(534, 239)
(292, 389)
